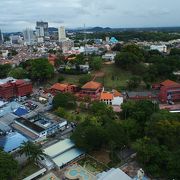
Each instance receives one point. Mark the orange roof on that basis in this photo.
(117, 94)
(169, 83)
(106, 96)
(92, 85)
(59, 87)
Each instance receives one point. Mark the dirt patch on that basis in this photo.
(102, 156)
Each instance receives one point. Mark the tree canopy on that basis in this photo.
(32, 151)
(4, 70)
(8, 166)
(64, 100)
(18, 73)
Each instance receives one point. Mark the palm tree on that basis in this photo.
(32, 151)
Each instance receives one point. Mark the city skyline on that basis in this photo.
(74, 13)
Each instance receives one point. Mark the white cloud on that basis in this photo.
(19, 14)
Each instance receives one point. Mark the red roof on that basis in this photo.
(59, 87)
(106, 96)
(117, 94)
(92, 85)
(169, 83)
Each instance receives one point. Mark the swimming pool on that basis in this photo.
(12, 141)
(82, 174)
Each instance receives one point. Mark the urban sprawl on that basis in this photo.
(89, 104)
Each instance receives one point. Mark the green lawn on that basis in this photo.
(27, 170)
(114, 77)
(92, 165)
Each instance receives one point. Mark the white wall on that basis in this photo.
(117, 101)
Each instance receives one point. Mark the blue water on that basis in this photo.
(81, 173)
(12, 141)
(73, 172)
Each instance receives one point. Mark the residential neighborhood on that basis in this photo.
(89, 103)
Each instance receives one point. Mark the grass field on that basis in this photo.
(114, 77)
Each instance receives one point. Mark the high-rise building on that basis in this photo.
(28, 36)
(62, 33)
(1, 37)
(41, 29)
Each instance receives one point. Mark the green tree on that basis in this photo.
(126, 60)
(8, 166)
(134, 82)
(175, 51)
(41, 69)
(18, 73)
(96, 63)
(32, 151)
(84, 79)
(61, 112)
(89, 137)
(117, 47)
(4, 70)
(65, 100)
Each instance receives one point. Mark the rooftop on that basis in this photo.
(59, 148)
(92, 85)
(106, 96)
(30, 124)
(113, 174)
(169, 83)
(116, 93)
(59, 86)
(67, 156)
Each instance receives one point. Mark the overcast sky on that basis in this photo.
(19, 14)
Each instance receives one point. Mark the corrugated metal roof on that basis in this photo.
(113, 174)
(67, 157)
(59, 148)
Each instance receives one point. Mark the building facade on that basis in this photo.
(61, 33)
(28, 36)
(41, 29)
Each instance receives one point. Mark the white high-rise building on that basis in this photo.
(28, 36)
(61, 33)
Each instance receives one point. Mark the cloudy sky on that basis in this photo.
(19, 14)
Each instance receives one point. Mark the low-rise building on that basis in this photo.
(62, 153)
(169, 91)
(113, 174)
(62, 88)
(91, 89)
(113, 98)
(160, 48)
(38, 127)
(109, 56)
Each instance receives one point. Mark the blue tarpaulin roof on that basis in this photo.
(20, 111)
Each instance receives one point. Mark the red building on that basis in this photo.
(169, 90)
(92, 89)
(62, 88)
(23, 87)
(6, 90)
(15, 88)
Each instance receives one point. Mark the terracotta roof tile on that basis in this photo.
(169, 83)
(92, 85)
(116, 93)
(59, 87)
(106, 96)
